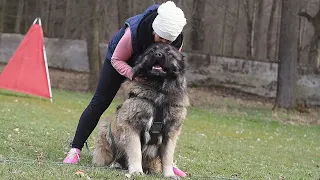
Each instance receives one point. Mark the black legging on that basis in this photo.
(108, 86)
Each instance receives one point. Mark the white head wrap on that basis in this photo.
(169, 22)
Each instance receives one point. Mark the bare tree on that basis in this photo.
(288, 54)
(93, 45)
(51, 18)
(258, 16)
(262, 24)
(226, 11)
(19, 16)
(250, 11)
(67, 18)
(123, 11)
(270, 35)
(278, 31)
(234, 34)
(198, 32)
(178, 3)
(26, 17)
(3, 13)
(46, 15)
(314, 53)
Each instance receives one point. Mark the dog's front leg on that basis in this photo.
(133, 152)
(167, 153)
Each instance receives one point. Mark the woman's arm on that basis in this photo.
(122, 54)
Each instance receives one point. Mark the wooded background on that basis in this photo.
(283, 31)
(247, 29)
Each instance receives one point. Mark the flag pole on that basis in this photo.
(45, 60)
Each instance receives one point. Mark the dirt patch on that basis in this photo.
(69, 80)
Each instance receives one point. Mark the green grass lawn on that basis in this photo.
(237, 142)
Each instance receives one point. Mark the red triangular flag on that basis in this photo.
(27, 70)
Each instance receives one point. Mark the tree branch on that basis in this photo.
(306, 15)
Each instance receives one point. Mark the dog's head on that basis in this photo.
(160, 61)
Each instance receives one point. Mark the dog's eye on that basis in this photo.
(170, 53)
(152, 50)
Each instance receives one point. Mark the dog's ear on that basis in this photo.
(144, 63)
(136, 70)
(184, 61)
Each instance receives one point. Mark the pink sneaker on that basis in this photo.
(179, 172)
(73, 156)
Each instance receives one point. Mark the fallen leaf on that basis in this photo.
(80, 173)
(202, 135)
(128, 175)
(282, 178)
(17, 172)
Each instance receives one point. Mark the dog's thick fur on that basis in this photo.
(163, 84)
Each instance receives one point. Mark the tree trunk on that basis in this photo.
(250, 22)
(67, 18)
(222, 44)
(234, 35)
(198, 32)
(314, 52)
(93, 45)
(26, 18)
(258, 24)
(178, 3)
(123, 12)
(46, 18)
(38, 8)
(279, 3)
(19, 16)
(288, 54)
(3, 14)
(270, 44)
(52, 20)
(253, 30)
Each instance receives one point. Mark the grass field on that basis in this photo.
(230, 139)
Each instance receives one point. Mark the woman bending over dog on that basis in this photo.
(158, 23)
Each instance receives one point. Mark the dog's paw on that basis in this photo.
(115, 165)
(171, 175)
(135, 173)
(150, 171)
(168, 173)
(175, 177)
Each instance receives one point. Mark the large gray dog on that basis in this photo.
(142, 137)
